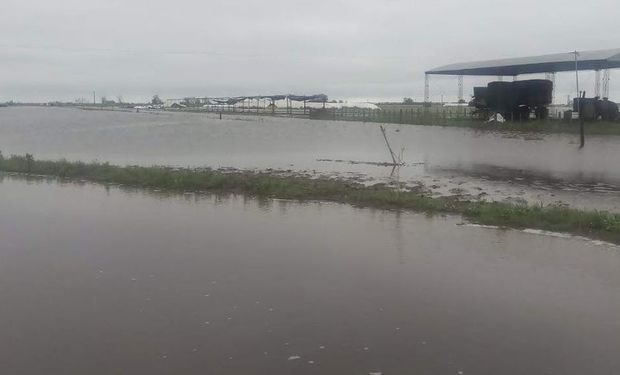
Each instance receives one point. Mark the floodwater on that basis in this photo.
(497, 165)
(100, 280)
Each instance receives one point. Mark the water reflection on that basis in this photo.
(398, 237)
(157, 283)
(489, 165)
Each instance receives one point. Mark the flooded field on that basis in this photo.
(102, 280)
(448, 161)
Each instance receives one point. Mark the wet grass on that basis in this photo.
(460, 118)
(590, 128)
(594, 224)
(543, 127)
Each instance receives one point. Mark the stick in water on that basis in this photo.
(388, 145)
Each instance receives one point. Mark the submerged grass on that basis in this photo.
(594, 224)
(550, 126)
(543, 127)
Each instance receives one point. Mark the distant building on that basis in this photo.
(105, 101)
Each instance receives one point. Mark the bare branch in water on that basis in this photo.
(396, 159)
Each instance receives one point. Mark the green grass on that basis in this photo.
(590, 128)
(460, 117)
(549, 127)
(594, 224)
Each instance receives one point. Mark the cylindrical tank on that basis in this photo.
(501, 96)
(607, 110)
(588, 108)
(480, 98)
(534, 92)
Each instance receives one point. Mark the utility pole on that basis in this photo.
(577, 77)
(427, 91)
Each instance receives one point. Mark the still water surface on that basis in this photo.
(101, 280)
(488, 165)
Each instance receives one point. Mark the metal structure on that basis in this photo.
(606, 78)
(426, 89)
(248, 102)
(551, 77)
(561, 62)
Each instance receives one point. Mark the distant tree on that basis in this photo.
(407, 101)
(187, 101)
(156, 100)
(29, 162)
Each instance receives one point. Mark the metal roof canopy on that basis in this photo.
(560, 62)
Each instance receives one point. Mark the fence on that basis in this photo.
(415, 116)
(250, 110)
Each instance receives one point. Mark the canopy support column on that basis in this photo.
(551, 77)
(606, 78)
(427, 93)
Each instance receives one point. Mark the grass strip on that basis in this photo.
(594, 224)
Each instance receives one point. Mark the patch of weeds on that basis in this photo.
(555, 217)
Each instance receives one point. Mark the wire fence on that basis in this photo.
(415, 116)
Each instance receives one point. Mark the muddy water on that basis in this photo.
(99, 280)
(485, 165)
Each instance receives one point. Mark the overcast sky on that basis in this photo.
(65, 49)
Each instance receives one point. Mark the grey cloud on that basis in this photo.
(363, 49)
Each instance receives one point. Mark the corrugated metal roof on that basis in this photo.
(560, 62)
